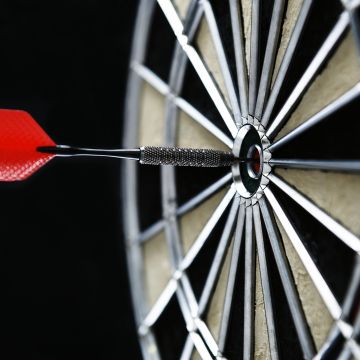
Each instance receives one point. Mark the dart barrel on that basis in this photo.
(150, 155)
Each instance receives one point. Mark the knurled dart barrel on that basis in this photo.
(185, 157)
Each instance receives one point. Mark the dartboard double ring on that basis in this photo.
(261, 259)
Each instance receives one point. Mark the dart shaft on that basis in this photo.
(70, 151)
(151, 155)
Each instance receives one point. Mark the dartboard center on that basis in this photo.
(247, 171)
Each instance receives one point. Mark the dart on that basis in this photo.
(25, 148)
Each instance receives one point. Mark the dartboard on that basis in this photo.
(261, 259)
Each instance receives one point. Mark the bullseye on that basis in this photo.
(254, 161)
(247, 175)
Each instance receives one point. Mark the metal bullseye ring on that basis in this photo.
(247, 177)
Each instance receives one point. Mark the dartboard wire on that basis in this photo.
(132, 226)
(347, 307)
(225, 317)
(301, 326)
(203, 121)
(151, 231)
(311, 268)
(356, 333)
(134, 254)
(328, 165)
(168, 182)
(337, 313)
(188, 349)
(346, 236)
(200, 346)
(345, 354)
(254, 55)
(265, 284)
(169, 290)
(270, 56)
(329, 300)
(186, 312)
(336, 105)
(332, 339)
(193, 326)
(212, 278)
(354, 347)
(353, 291)
(218, 260)
(191, 204)
(196, 330)
(209, 340)
(203, 337)
(198, 64)
(152, 79)
(352, 343)
(352, 7)
(199, 242)
(310, 73)
(205, 194)
(288, 56)
(249, 287)
(191, 298)
(229, 84)
(207, 229)
(160, 304)
(240, 61)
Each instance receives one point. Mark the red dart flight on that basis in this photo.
(20, 136)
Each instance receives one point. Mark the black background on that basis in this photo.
(64, 281)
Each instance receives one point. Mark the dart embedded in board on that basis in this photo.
(25, 148)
